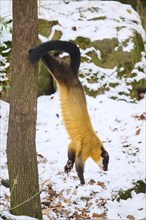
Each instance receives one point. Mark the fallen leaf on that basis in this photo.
(102, 184)
(137, 131)
(87, 198)
(126, 145)
(89, 204)
(102, 202)
(51, 192)
(58, 208)
(75, 177)
(130, 217)
(46, 211)
(46, 202)
(6, 197)
(95, 215)
(41, 159)
(92, 182)
(84, 211)
(68, 191)
(68, 201)
(140, 117)
(81, 217)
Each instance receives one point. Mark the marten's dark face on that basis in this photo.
(104, 159)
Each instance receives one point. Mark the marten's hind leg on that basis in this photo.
(71, 159)
(80, 169)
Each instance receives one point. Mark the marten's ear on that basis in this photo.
(105, 158)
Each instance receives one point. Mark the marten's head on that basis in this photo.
(104, 159)
(101, 157)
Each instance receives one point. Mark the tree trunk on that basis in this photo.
(21, 148)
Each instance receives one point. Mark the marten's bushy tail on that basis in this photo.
(38, 52)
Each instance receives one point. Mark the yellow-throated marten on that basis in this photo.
(84, 141)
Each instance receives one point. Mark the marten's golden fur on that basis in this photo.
(84, 141)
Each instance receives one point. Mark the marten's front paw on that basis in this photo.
(68, 166)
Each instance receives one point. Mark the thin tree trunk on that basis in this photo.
(138, 6)
(21, 147)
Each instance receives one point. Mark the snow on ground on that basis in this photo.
(120, 127)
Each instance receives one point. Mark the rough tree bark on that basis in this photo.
(21, 149)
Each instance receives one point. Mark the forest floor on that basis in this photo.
(121, 127)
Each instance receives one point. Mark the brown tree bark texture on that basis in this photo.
(21, 147)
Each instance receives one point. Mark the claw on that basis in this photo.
(68, 166)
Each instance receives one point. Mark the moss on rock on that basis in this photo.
(139, 187)
(112, 55)
(45, 27)
(45, 81)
